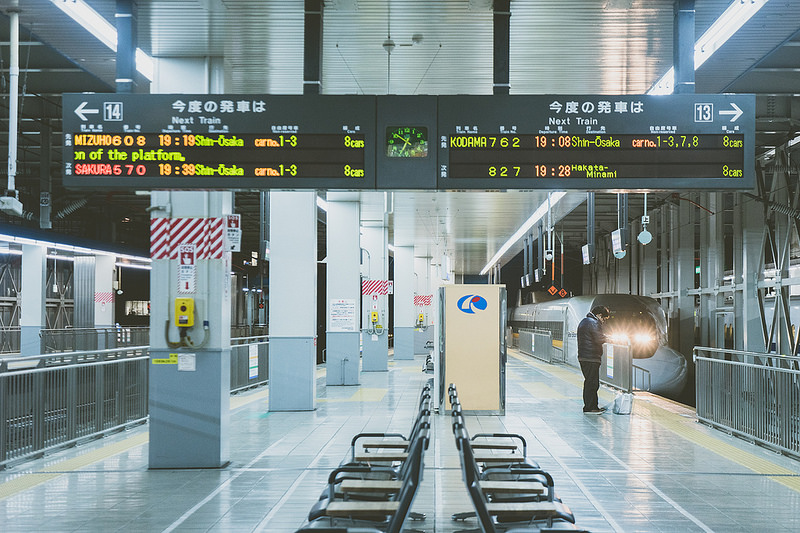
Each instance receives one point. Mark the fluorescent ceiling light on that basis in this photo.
(537, 215)
(94, 23)
(739, 12)
(69, 248)
(132, 265)
(322, 204)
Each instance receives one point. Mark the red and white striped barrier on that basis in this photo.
(374, 286)
(423, 300)
(167, 234)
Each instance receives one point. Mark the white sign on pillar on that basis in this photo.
(342, 314)
(187, 269)
(233, 232)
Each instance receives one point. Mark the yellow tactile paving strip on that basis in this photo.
(681, 426)
(361, 395)
(240, 401)
(28, 481)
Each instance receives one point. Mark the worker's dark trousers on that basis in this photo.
(591, 382)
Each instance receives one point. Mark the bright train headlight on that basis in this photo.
(642, 338)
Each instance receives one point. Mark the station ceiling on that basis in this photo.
(441, 47)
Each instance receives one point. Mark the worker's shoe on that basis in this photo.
(598, 411)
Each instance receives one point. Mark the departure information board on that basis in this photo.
(219, 142)
(597, 142)
(359, 142)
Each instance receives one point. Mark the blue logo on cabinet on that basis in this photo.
(471, 303)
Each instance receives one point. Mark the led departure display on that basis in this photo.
(597, 142)
(187, 155)
(206, 141)
(596, 156)
(359, 142)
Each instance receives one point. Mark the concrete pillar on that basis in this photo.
(104, 270)
(190, 366)
(83, 283)
(32, 317)
(375, 266)
(748, 234)
(422, 269)
(712, 253)
(293, 300)
(404, 318)
(682, 261)
(343, 284)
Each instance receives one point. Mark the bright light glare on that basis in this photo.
(618, 338)
(739, 12)
(642, 338)
(537, 215)
(94, 23)
(144, 64)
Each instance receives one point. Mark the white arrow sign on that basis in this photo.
(736, 112)
(81, 111)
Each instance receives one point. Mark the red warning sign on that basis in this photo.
(187, 269)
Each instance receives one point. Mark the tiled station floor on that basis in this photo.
(655, 470)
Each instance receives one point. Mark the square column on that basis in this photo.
(104, 268)
(189, 397)
(404, 318)
(293, 300)
(375, 340)
(32, 316)
(342, 332)
(423, 333)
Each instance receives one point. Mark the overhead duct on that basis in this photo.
(71, 208)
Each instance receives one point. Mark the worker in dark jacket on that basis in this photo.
(590, 353)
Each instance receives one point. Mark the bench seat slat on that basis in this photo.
(523, 510)
(351, 508)
(385, 444)
(371, 485)
(381, 457)
(513, 487)
(493, 446)
(499, 458)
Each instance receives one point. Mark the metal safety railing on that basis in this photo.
(753, 395)
(249, 362)
(539, 344)
(616, 366)
(53, 400)
(641, 378)
(49, 401)
(10, 340)
(85, 339)
(249, 330)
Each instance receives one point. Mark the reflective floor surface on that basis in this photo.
(655, 470)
